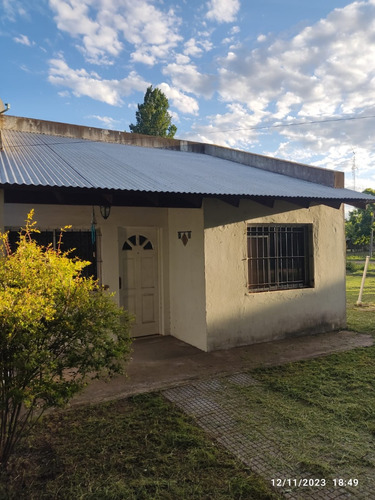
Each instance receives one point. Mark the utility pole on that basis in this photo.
(354, 168)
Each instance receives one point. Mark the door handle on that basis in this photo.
(119, 282)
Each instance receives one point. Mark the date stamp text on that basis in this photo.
(301, 482)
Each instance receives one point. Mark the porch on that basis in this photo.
(159, 362)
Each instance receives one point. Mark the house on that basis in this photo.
(215, 246)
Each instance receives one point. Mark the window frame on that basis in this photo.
(284, 257)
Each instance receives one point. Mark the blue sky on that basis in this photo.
(248, 74)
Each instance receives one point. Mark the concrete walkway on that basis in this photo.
(161, 362)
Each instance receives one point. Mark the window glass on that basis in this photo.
(126, 246)
(142, 242)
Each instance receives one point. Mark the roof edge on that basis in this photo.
(301, 171)
(36, 126)
(318, 175)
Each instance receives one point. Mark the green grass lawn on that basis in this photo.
(319, 413)
(137, 448)
(353, 256)
(361, 319)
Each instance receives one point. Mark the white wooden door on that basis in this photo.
(139, 281)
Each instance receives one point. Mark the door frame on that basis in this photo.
(160, 288)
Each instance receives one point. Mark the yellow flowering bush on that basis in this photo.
(58, 330)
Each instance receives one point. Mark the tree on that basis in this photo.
(359, 225)
(58, 330)
(152, 116)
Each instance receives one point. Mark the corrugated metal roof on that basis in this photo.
(28, 159)
(43, 160)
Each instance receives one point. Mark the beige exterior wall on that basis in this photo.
(181, 268)
(187, 286)
(56, 216)
(237, 317)
(203, 293)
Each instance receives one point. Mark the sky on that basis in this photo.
(286, 78)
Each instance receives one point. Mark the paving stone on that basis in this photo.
(202, 406)
(178, 394)
(243, 380)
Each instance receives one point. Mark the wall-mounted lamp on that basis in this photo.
(105, 211)
(184, 236)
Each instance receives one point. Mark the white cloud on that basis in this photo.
(24, 68)
(191, 48)
(206, 45)
(103, 28)
(99, 40)
(196, 48)
(232, 39)
(285, 104)
(23, 40)
(182, 59)
(235, 128)
(188, 78)
(323, 66)
(83, 83)
(182, 102)
(11, 9)
(143, 56)
(107, 121)
(326, 70)
(223, 11)
(152, 32)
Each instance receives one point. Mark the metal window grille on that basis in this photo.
(79, 241)
(84, 248)
(278, 257)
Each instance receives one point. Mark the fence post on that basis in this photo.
(359, 301)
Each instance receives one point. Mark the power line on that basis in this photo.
(294, 124)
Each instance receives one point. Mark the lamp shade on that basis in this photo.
(105, 211)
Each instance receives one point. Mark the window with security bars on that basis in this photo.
(79, 241)
(278, 257)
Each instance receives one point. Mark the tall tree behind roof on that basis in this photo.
(152, 116)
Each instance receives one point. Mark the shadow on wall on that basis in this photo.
(246, 211)
(266, 316)
(236, 317)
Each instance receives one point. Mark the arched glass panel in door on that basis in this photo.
(137, 241)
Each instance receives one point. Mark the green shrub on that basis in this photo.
(57, 330)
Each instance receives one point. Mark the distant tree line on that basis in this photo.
(359, 226)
